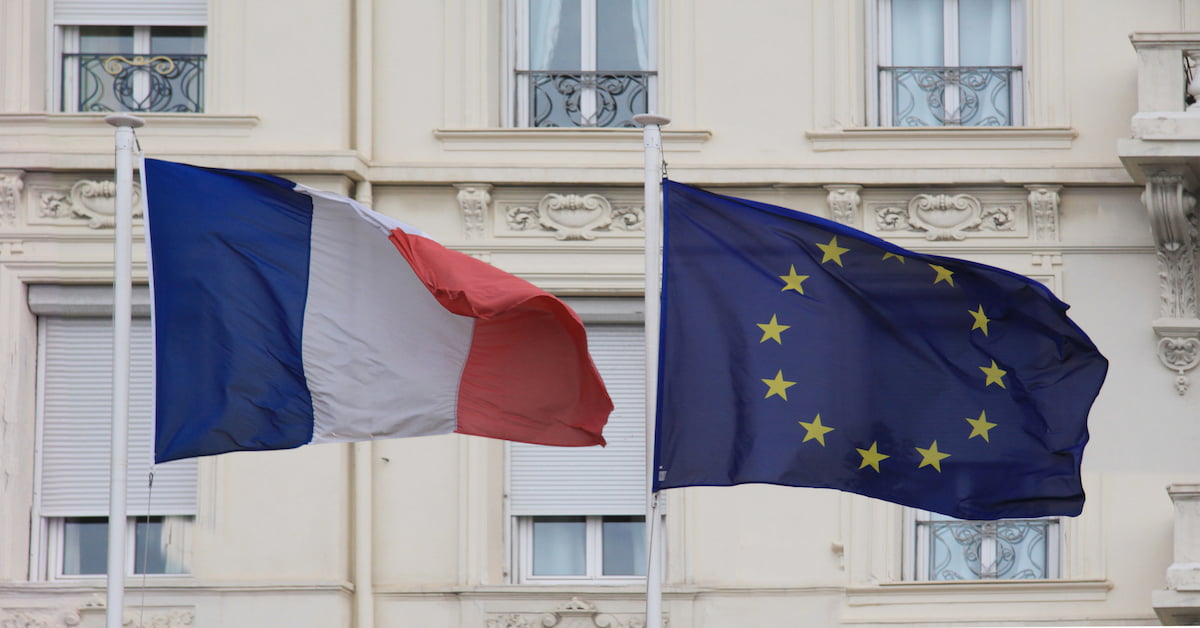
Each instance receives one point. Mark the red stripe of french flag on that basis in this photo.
(528, 375)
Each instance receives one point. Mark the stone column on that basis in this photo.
(1179, 604)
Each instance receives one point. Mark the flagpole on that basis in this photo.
(122, 298)
(652, 143)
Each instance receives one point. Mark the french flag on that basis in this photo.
(285, 315)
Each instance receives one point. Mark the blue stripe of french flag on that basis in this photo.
(285, 315)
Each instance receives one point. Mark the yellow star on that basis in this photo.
(772, 330)
(932, 457)
(980, 426)
(943, 274)
(871, 457)
(777, 386)
(981, 320)
(792, 281)
(994, 373)
(832, 251)
(815, 431)
(887, 256)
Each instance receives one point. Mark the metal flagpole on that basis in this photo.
(122, 297)
(652, 143)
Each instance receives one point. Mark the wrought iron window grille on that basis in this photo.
(574, 98)
(1011, 549)
(923, 96)
(134, 82)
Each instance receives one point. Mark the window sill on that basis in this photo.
(91, 124)
(975, 591)
(562, 139)
(942, 138)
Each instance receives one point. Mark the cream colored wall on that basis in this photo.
(767, 99)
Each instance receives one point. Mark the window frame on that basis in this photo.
(516, 112)
(47, 522)
(53, 549)
(879, 97)
(593, 554)
(65, 84)
(916, 547)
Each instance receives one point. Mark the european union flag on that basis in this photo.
(801, 352)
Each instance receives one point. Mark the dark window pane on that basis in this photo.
(106, 39)
(624, 546)
(85, 546)
(177, 40)
(554, 36)
(559, 546)
(621, 37)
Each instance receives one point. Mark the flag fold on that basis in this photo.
(285, 315)
(798, 351)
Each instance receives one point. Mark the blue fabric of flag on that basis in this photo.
(800, 352)
(228, 325)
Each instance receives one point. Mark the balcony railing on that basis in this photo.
(145, 83)
(947, 96)
(1012, 549)
(585, 99)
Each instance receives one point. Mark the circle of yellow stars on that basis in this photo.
(816, 430)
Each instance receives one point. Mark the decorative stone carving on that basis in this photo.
(8, 248)
(10, 196)
(945, 216)
(844, 203)
(575, 613)
(1043, 204)
(39, 618)
(473, 201)
(1173, 220)
(512, 621)
(92, 201)
(149, 617)
(1179, 355)
(575, 216)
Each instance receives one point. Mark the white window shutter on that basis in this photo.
(76, 405)
(131, 12)
(593, 480)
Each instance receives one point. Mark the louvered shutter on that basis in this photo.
(593, 480)
(131, 12)
(76, 401)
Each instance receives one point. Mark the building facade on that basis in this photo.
(1054, 138)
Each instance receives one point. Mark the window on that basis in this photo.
(154, 545)
(131, 55)
(949, 63)
(582, 63)
(74, 402)
(945, 548)
(578, 514)
(592, 548)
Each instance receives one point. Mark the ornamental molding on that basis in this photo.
(92, 613)
(575, 613)
(87, 202)
(11, 184)
(474, 199)
(1173, 221)
(572, 216)
(844, 203)
(1043, 207)
(952, 215)
(10, 248)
